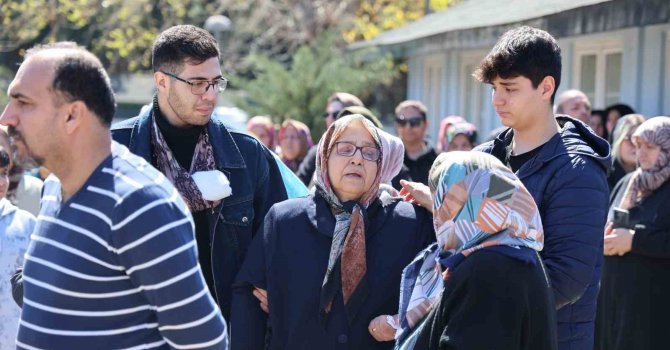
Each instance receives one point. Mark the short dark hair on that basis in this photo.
(80, 76)
(525, 51)
(182, 44)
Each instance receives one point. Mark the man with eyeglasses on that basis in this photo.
(411, 125)
(228, 179)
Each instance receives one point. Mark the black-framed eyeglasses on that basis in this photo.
(334, 114)
(200, 87)
(413, 122)
(348, 149)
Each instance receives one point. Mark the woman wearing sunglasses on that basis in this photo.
(325, 265)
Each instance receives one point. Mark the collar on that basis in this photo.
(226, 152)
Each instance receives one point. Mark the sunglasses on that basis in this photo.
(413, 122)
(333, 114)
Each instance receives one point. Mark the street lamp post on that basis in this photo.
(219, 26)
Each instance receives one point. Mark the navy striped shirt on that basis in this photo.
(116, 267)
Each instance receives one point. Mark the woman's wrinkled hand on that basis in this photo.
(380, 329)
(416, 193)
(618, 241)
(262, 296)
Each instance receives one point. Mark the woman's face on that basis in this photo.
(351, 177)
(262, 134)
(596, 123)
(612, 117)
(647, 154)
(460, 142)
(627, 153)
(290, 143)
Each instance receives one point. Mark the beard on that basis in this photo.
(182, 110)
(26, 159)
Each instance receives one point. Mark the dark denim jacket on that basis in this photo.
(254, 178)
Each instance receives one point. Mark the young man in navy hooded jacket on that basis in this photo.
(562, 163)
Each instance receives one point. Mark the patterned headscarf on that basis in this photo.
(347, 265)
(305, 141)
(464, 128)
(655, 131)
(442, 144)
(265, 123)
(623, 130)
(477, 203)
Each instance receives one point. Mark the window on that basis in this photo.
(598, 72)
(432, 91)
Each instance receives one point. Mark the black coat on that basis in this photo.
(492, 301)
(634, 303)
(420, 167)
(289, 258)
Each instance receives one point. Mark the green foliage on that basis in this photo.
(119, 32)
(300, 89)
(5, 78)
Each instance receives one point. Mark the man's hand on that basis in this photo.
(262, 296)
(618, 241)
(380, 329)
(416, 193)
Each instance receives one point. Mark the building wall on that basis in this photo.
(645, 74)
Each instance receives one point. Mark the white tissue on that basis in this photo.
(213, 184)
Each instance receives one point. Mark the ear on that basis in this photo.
(547, 87)
(75, 113)
(161, 81)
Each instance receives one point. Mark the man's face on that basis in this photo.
(578, 106)
(185, 108)
(32, 111)
(516, 102)
(332, 110)
(410, 125)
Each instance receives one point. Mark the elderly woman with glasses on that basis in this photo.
(325, 265)
(633, 304)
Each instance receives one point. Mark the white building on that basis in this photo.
(614, 50)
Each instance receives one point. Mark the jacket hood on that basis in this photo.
(574, 138)
(578, 138)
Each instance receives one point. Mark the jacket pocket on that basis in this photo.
(235, 226)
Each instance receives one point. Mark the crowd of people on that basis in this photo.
(169, 231)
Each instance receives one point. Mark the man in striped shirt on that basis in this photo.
(113, 261)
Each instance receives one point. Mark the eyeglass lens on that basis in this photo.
(347, 149)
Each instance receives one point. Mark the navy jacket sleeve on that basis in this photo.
(248, 320)
(574, 219)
